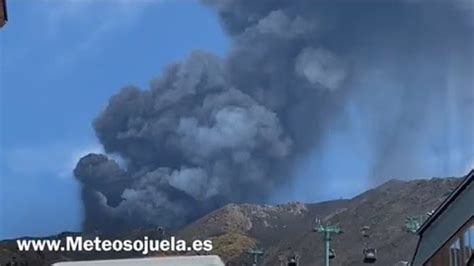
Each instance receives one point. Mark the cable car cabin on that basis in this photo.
(3, 13)
(370, 255)
(292, 262)
(332, 254)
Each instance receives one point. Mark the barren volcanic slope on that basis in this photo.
(285, 229)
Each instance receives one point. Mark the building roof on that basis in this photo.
(445, 204)
(155, 261)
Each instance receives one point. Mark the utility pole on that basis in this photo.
(256, 253)
(327, 230)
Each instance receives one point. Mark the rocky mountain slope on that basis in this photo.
(283, 230)
(286, 229)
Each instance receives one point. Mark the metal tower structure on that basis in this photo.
(327, 231)
(256, 253)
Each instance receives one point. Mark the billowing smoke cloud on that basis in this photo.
(215, 130)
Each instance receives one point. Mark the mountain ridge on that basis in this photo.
(285, 229)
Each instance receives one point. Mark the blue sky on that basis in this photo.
(60, 61)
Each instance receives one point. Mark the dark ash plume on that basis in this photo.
(211, 131)
(191, 142)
